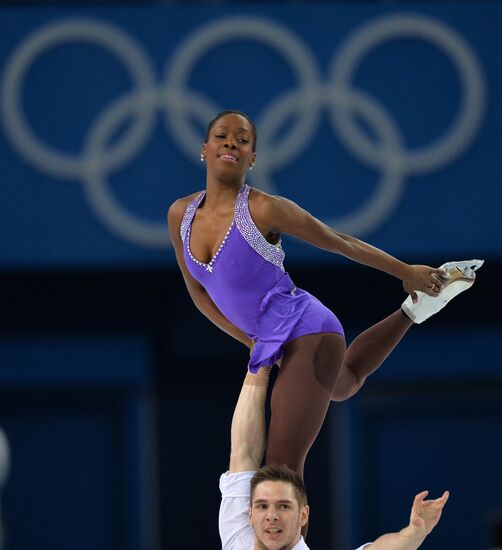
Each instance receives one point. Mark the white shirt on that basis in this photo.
(235, 531)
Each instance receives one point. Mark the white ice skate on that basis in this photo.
(461, 276)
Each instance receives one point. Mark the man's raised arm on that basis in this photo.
(248, 423)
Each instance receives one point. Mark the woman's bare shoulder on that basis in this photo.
(263, 208)
(260, 199)
(178, 207)
(261, 203)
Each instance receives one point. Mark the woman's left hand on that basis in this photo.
(426, 279)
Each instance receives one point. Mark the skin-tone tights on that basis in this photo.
(315, 369)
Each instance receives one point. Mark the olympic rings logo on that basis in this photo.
(181, 105)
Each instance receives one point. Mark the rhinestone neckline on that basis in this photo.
(273, 253)
(209, 266)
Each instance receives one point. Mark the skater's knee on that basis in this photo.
(328, 359)
(342, 395)
(347, 384)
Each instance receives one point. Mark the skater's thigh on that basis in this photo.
(301, 396)
(314, 359)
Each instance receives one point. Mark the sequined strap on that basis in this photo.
(189, 214)
(270, 252)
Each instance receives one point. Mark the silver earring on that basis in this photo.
(202, 157)
(251, 166)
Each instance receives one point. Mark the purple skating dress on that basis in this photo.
(247, 282)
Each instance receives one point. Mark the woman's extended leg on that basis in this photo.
(301, 396)
(367, 352)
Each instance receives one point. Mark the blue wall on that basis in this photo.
(77, 410)
(104, 111)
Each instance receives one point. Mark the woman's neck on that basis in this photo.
(220, 195)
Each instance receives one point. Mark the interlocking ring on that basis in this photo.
(304, 103)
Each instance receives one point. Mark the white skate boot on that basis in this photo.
(461, 276)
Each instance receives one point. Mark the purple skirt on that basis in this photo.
(286, 314)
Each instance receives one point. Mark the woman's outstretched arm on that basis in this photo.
(278, 215)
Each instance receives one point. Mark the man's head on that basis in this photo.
(278, 507)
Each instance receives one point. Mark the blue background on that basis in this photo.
(448, 210)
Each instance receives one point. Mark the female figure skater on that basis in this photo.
(227, 243)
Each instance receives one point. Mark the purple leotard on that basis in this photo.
(247, 282)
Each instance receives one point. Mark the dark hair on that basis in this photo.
(277, 472)
(232, 112)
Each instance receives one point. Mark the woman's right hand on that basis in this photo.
(426, 279)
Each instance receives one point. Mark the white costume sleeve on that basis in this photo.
(235, 531)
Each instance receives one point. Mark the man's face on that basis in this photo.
(275, 516)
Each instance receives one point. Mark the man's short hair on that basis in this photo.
(277, 472)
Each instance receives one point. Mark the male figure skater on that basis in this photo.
(266, 508)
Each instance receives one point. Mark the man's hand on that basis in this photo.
(251, 348)
(425, 514)
(424, 517)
